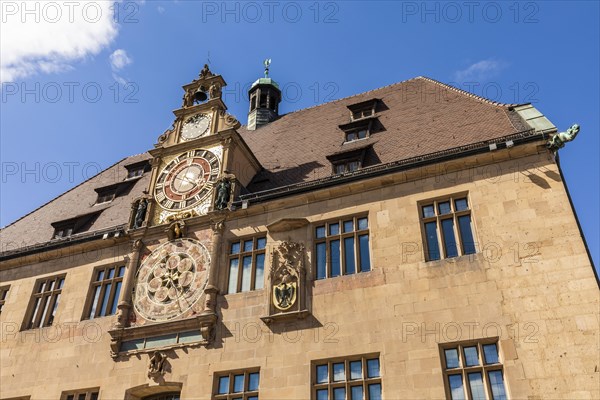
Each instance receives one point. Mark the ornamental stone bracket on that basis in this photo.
(287, 284)
(204, 324)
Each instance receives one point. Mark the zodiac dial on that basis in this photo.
(171, 280)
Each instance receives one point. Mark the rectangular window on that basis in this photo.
(357, 134)
(44, 302)
(346, 166)
(82, 394)
(3, 295)
(106, 196)
(247, 265)
(342, 247)
(104, 291)
(347, 379)
(137, 169)
(64, 231)
(473, 371)
(447, 228)
(239, 385)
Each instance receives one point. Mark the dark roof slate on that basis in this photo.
(36, 227)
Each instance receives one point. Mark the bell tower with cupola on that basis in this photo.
(265, 96)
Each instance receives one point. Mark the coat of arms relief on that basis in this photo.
(287, 282)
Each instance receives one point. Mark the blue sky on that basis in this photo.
(85, 86)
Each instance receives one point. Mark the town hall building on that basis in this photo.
(411, 242)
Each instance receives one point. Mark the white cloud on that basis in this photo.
(50, 36)
(480, 71)
(160, 9)
(119, 59)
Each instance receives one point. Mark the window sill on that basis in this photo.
(249, 292)
(467, 258)
(374, 277)
(356, 140)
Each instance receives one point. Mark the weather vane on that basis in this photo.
(267, 64)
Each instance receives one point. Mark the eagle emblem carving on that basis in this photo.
(284, 295)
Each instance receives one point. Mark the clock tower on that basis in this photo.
(201, 162)
(199, 166)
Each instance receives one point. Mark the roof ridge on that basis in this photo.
(464, 92)
(64, 193)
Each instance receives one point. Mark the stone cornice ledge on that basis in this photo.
(205, 323)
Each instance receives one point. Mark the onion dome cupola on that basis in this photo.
(265, 96)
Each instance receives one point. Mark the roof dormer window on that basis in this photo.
(71, 226)
(346, 166)
(357, 130)
(106, 196)
(348, 161)
(137, 169)
(63, 231)
(363, 109)
(357, 134)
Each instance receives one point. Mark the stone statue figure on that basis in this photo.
(558, 141)
(205, 73)
(223, 194)
(214, 91)
(140, 214)
(156, 366)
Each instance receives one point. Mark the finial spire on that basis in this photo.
(267, 63)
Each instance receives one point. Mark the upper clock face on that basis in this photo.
(187, 180)
(195, 127)
(171, 280)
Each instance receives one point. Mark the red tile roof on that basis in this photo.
(423, 116)
(418, 117)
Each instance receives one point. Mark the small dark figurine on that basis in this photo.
(223, 194)
(140, 214)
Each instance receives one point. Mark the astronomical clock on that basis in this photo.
(170, 282)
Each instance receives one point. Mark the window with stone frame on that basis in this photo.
(246, 262)
(236, 385)
(44, 302)
(81, 394)
(104, 291)
(447, 227)
(342, 247)
(473, 370)
(3, 295)
(348, 378)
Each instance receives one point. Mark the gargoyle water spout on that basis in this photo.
(558, 141)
